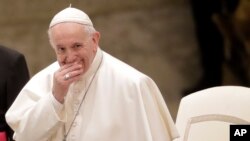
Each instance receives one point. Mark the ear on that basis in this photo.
(95, 39)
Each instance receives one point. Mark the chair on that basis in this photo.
(206, 115)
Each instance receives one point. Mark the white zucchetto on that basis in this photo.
(71, 15)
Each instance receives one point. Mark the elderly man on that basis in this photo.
(88, 95)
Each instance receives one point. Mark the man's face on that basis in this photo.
(73, 44)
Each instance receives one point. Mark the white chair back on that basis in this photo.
(206, 115)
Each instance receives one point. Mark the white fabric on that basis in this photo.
(122, 104)
(206, 115)
(71, 15)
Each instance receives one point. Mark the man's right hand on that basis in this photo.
(66, 75)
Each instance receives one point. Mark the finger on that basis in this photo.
(65, 66)
(72, 74)
(67, 76)
(67, 69)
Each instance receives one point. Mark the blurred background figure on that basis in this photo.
(233, 22)
(222, 30)
(210, 43)
(13, 76)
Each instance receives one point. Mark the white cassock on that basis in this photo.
(121, 104)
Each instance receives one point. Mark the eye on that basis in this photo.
(60, 50)
(77, 46)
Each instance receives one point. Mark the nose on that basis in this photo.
(71, 57)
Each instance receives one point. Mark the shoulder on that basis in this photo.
(122, 70)
(8, 51)
(124, 77)
(8, 55)
(43, 79)
(47, 71)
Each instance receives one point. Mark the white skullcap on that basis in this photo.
(71, 15)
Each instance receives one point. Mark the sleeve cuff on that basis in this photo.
(58, 107)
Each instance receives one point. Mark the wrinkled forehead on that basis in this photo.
(68, 32)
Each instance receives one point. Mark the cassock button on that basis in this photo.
(74, 124)
(77, 102)
(73, 137)
(75, 109)
(76, 91)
